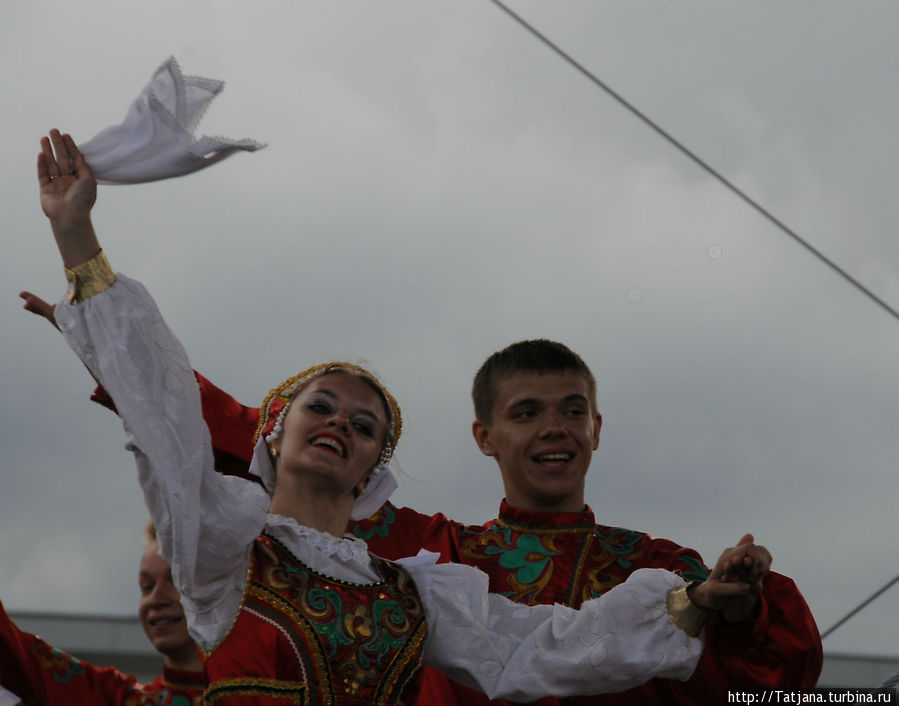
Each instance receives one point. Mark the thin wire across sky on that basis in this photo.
(630, 107)
(786, 230)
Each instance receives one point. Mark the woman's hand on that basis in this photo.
(68, 192)
(68, 188)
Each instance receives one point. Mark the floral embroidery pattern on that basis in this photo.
(62, 665)
(527, 559)
(693, 569)
(618, 549)
(621, 543)
(371, 635)
(378, 525)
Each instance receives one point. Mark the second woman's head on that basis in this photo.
(334, 420)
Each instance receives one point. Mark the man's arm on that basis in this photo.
(775, 645)
(40, 674)
(396, 532)
(231, 424)
(779, 648)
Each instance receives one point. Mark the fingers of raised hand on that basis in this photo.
(65, 160)
(58, 157)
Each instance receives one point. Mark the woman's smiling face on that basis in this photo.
(335, 428)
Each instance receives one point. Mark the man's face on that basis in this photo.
(542, 434)
(160, 609)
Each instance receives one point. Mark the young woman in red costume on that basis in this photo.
(288, 609)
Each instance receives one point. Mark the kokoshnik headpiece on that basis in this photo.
(274, 410)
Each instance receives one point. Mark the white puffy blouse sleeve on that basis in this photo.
(205, 522)
(521, 653)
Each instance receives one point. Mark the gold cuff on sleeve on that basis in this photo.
(688, 617)
(89, 278)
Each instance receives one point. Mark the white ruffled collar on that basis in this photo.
(343, 548)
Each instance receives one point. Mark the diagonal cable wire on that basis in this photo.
(858, 608)
(698, 160)
(734, 189)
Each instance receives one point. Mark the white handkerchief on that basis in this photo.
(156, 139)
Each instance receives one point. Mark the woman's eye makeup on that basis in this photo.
(363, 428)
(321, 406)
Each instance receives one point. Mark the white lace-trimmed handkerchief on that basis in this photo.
(156, 139)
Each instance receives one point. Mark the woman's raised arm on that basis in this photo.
(205, 522)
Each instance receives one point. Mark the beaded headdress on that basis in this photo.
(276, 404)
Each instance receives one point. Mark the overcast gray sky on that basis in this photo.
(438, 185)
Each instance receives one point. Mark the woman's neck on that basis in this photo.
(311, 507)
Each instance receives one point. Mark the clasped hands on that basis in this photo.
(735, 583)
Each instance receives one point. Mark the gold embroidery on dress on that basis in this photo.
(289, 692)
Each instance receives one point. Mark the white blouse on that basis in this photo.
(206, 524)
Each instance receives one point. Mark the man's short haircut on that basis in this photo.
(534, 356)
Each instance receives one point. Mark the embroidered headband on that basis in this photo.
(276, 404)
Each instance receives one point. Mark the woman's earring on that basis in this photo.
(274, 453)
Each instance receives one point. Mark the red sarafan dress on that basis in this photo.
(351, 643)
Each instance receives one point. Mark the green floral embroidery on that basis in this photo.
(382, 642)
(695, 571)
(332, 631)
(517, 559)
(334, 634)
(621, 543)
(378, 525)
(63, 665)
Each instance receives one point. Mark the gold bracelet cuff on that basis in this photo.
(688, 617)
(89, 278)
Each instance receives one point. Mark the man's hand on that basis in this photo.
(735, 584)
(36, 305)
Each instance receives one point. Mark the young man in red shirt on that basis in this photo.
(40, 674)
